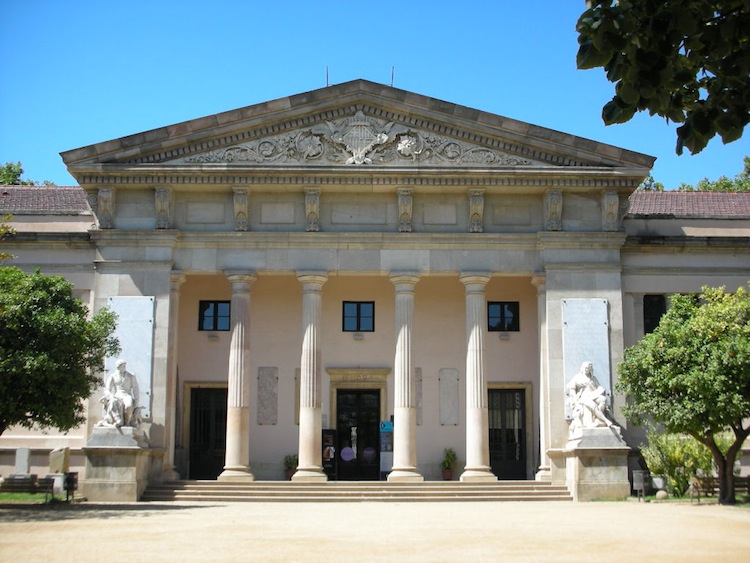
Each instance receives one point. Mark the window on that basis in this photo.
(213, 315)
(654, 306)
(502, 316)
(359, 316)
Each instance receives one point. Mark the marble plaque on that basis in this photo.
(448, 397)
(268, 396)
(135, 331)
(586, 339)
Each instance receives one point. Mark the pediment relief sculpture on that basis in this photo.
(359, 140)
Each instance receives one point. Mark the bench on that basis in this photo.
(27, 484)
(709, 486)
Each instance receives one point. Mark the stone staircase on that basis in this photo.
(359, 491)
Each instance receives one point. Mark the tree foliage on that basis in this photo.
(740, 183)
(5, 232)
(50, 351)
(678, 457)
(10, 175)
(685, 60)
(692, 374)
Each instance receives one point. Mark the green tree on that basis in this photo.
(687, 61)
(50, 351)
(10, 175)
(651, 185)
(679, 457)
(692, 374)
(5, 232)
(740, 183)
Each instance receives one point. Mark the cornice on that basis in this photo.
(197, 176)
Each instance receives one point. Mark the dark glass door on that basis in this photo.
(358, 434)
(507, 415)
(208, 432)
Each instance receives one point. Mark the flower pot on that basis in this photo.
(447, 474)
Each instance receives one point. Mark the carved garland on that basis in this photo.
(359, 140)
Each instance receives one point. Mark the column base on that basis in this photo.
(544, 473)
(404, 475)
(236, 475)
(309, 475)
(477, 474)
(170, 474)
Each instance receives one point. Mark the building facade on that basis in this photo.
(305, 276)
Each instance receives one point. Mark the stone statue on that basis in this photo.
(587, 400)
(120, 401)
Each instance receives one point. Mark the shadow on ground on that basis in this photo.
(80, 511)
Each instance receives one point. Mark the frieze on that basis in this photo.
(359, 140)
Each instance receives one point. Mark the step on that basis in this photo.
(337, 491)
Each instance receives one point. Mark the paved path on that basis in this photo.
(468, 532)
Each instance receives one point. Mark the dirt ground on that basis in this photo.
(376, 531)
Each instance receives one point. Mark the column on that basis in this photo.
(237, 465)
(477, 422)
(310, 466)
(543, 473)
(404, 410)
(175, 282)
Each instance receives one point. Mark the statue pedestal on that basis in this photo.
(118, 464)
(596, 465)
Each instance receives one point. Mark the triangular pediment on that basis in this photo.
(358, 124)
(361, 139)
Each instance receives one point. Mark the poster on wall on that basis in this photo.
(586, 339)
(135, 331)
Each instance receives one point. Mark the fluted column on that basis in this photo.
(404, 411)
(544, 471)
(477, 421)
(237, 466)
(310, 466)
(169, 471)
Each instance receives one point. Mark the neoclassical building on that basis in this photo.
(364, 276)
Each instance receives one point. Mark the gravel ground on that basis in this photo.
(375, 531)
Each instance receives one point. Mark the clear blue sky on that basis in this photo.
(80, 72)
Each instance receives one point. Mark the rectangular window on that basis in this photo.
(359, 316)
(213, 315)
(654, 306)
(502, 316)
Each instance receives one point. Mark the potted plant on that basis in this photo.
(449, 460)
(290, 465)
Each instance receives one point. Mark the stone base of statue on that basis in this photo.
(118, 465)
(596, 465)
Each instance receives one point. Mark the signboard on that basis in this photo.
(386, 446)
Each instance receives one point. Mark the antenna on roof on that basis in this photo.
(393, 72)
(327, 83)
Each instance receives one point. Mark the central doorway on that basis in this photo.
(358, 434)
(508, 440)
(208, 431)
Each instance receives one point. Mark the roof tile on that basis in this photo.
(690, 204)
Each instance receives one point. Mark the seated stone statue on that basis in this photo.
(120, 401)
(587, 400)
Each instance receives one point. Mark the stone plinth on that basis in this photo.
(118, 464)
(596, 465)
